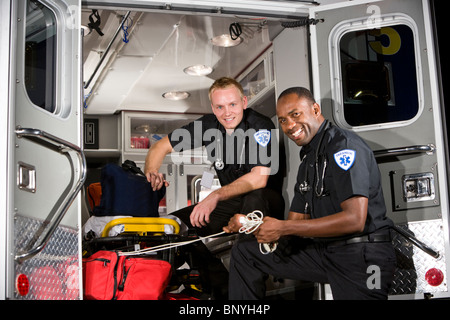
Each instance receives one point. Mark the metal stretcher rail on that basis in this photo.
(63, 146)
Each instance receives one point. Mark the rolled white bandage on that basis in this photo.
(250, 223)
(268, 247)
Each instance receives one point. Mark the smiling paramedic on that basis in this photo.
(337, 231)
(247, 182)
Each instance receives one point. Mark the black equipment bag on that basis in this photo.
(126, 192)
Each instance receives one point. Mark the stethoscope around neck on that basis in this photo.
(219, 164)
(305, 187)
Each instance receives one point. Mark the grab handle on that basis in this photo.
(422, 246)
(63, 146)
(428, 149)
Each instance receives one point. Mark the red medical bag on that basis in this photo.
(109, 276)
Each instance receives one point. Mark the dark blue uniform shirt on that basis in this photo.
(260, 147)
(350, 170)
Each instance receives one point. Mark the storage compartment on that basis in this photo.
(142, 129)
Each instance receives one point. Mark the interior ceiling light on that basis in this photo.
(225, 41)
(176, 95)
(198, 70)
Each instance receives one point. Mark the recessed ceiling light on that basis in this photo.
(225, 41)
(176, 95)
(198, 70)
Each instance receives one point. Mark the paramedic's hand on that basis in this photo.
(270, 231)
(234, 224)
(200, 215)
(157, 180)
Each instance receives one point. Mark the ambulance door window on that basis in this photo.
(40, 56)
(379, 82)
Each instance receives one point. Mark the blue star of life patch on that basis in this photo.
(262, 137)
(345, 158)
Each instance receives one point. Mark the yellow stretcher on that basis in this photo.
(142, 226)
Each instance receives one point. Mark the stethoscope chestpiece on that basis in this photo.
(219, 164)
(304, 187)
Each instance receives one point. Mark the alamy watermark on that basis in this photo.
(252, 147)
(374, 279)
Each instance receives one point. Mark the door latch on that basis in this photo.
(26, 177)
(418, 187)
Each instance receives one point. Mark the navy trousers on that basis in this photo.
(354, 271)
(213, 274)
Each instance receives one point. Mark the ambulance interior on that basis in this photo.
(148, 72)
(138, 63)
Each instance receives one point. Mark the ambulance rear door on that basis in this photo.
(47, 163)
(374, 72)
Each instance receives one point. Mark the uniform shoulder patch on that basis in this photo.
(345, 158)
(262, 137)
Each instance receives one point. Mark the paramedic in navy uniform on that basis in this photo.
(246, 184)
(337, 231)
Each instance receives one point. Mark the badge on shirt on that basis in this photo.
(262, 137)
(345, 158)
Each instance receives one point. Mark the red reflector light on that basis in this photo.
(434, 277)
(22, 284)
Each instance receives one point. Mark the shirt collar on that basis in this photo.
(314, 143)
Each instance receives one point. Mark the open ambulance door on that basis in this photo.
(47, 165)
(374, 72)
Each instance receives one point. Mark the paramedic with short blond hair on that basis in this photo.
(240, 143)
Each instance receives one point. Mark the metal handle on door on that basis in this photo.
(63, 146)
(428, 149)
